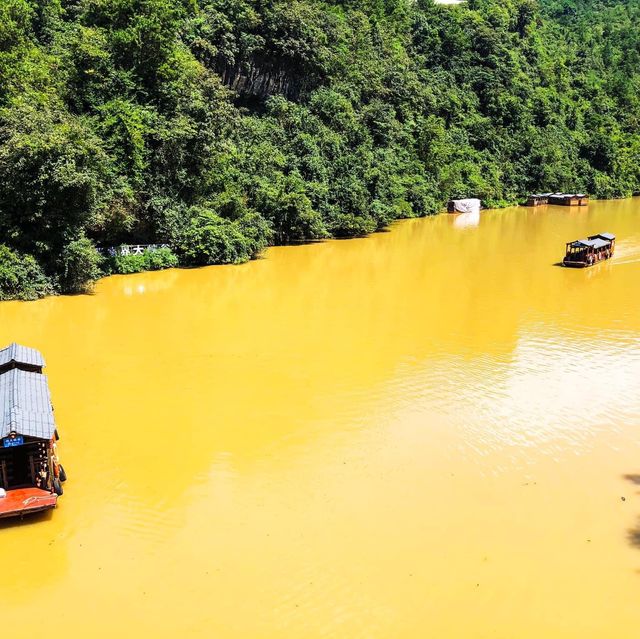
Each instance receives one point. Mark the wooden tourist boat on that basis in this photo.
(559, 199)
(30, 474)
(594, 249)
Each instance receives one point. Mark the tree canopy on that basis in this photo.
(218, 127)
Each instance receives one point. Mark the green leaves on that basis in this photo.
(210, 239)
(79, 266)
(52, 176)
(222, 126)
(15, 24)
(21, 276)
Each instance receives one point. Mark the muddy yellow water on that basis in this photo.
(425, 433)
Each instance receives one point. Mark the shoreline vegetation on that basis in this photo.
(163, 258)
(221, 127)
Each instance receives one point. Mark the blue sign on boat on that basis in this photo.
(8, 442)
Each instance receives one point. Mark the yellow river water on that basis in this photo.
(426, 433)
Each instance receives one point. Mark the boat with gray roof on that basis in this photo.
(590, 251)
(31, 475)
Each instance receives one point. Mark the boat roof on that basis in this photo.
(606, 236)
(568, 195)
(21, 355)
(25, 405)
(595, 243)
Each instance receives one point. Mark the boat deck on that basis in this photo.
(24, 501)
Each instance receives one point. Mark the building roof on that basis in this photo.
(25, 405)
(21, 355)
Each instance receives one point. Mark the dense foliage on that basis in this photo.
(220, 126)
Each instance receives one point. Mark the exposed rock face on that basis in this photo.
(251, 79)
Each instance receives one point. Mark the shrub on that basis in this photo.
(160, 259)
(257, 231)
(210, 239)
(347, 225)
(285, 204)
(21, 277)
(80, 266)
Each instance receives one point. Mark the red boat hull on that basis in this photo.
(25, 501)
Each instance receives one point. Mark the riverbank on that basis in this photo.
(24, 281)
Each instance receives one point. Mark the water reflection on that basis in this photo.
(467, 220)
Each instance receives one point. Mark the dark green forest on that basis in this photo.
(219, 127)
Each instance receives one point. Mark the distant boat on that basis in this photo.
(594, 249)
(468, 205)
(560, 199)
(30, 474)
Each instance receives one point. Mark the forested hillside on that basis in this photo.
(221, 126)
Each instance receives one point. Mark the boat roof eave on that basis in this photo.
(21, 355)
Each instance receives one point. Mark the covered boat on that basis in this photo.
(590, 251)
(30, 473)
(469, 205)
(539, 199)
(568, 199)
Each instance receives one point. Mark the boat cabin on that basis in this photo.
(590, 251)
(30, 473)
